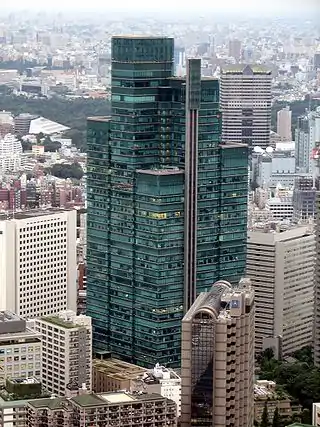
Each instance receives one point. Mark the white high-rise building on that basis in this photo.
(66, 352)
(10, 154)
(284, 123)
(246, 104)
(281, 266)
(38, 268)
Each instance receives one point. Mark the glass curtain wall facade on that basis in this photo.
(136, 276)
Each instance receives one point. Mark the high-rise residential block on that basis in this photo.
(38, 267)
(20, 349)
(166, 202)
(284, 123)
(246, 104)
(66, 351)
(281, 266)
(217, 370)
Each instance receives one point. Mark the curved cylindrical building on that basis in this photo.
(218, 358)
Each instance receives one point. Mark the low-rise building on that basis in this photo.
(161, 380)
(265, 393)
(112, 409)
(14, 398)
(113, 374)
(20, 348)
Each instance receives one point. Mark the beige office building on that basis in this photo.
(217, 358)
(38, 268)
(280, 264)
(66, 352)
(245, 102)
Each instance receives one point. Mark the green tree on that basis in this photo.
(265, 416)
(65, 171)
(276, 421)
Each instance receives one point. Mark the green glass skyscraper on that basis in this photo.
(167, 203)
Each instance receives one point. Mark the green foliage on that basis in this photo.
(265, 417)
(304, 355)
(72, 113)
(300, 379)
(64, 171)
(51, 146)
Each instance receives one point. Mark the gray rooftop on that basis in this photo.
(33, 213)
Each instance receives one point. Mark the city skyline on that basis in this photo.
(229, 6)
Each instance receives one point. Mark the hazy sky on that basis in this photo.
(198, 5)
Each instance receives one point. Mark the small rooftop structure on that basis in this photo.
(11, 323)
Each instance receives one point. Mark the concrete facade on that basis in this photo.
(284, 123)
(108, 409)
(67, 352)
(281, 265)
(217, 373)
(245, 101)
(38, 269)
(20, 348)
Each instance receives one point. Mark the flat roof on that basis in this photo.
(32, 213)
(52, 403)
(117, 397)
(233, 145)
(140, 36)
(28, 333)
(58, 321)
(117, 369)
(240, 68)
(159, 172)
(9, 316)
(87, 400)
(99, 118)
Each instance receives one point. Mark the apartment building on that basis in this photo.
(20, 348)
(112, 409)
(280, 263)
(66, 351)
(38, 269)
(217, 373)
